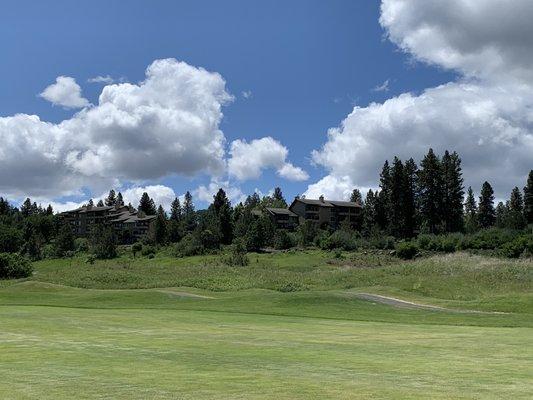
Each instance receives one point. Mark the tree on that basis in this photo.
(486, 212)
(470, 209)
(356, 197)
(147, 205)
(252, 201)
(528, 199)
(384, 199)
(453, 192)
(64, 241)
(10, 239)
(100, 203)
(111, 198)
(369, 213)
(175, 210)
(120, 200)
(189, 215)
(410, 199)
(90, 203)
(222, 209)
(5, 208)
(397, 198)
(49, 210)
(278, 199)
(516, 219)
(160, 226)
(102, 242)
(502, 215)
(28, 208)
(431, 192)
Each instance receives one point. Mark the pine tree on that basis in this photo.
(279, 200)
(470, 208)
(189, 215)
(431, 192)
(410, 199)
(502, 215)
(160, 226)
(486, 212)
(90, 203)
(111, 198)
(356, 196)
(516, 218)
(175, 210)
(369, 213)
(49, 210)
(100, 203)
(384, 198)
(396, 205)
(453, 192)
(252, 201)
(27, 208)
(147, 205)
(222, 210)
(528, 199)
(5, 208)
(120, 200)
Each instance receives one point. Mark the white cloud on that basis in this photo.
(65, 92)
(205, 193)
(247, 94)
(101, 79)
(248, 160)
(384, 87)
(486, 116)
(167, 124)
(161, 194)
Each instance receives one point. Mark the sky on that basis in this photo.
(311, 96)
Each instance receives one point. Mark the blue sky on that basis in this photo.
(305, 64)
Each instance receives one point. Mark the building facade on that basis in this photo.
(327, 213)
(128, 224)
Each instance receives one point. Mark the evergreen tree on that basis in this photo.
(470, 209)
(222, 209)
(160, 226)
(252, 201)
(486, 212)
(369, 213)
(189, 215)
(100, 203)
(27, 208)
(453, 192)
(502, 215)
(380, 199)
(111, 198)
(120, 200)
(90, 203)
(356, 196)
(175, 210)
(431, 192)
(410, 193)
(516, 218)
(384, 198)
(396, 205)
(147, 205)
(5, 208)
(64, 241)
(49, 210)
(279, 200)
(528, 199)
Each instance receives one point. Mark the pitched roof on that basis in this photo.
(282, 211)
(327, 203)
(344, 203)
(315, 202)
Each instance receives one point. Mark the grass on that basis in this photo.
(289, 326)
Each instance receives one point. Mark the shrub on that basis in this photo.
(147, 251)
(406, 250)
(517, 247)
(64, 241)
(237, 254)
(10, 239)
(282, 240)
(81, 245)
(14, 266)
(102, 243)
(190, 245)
(340, 239)
(488, 239)
(381, 242)
(136, 248)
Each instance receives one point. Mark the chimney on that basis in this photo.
(321, 198)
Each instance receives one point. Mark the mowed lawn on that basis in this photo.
(61, 342)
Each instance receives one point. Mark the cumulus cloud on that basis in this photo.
(486, 115)
(166, 124)
(161, 194)
(65, 92)
(101, 79)
(205, 193)
(249, 159)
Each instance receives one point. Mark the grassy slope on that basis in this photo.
(254, 343)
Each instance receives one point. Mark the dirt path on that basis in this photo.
(394, 302)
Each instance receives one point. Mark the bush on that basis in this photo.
(148, 251)
(102, 243)
(190, 245)
(406, 250)
(381, 242)
(10, 239)
(81, 245)
(136, 248)
(237, 254)
(14, 266)
(517, 247)
(340, 239)
(282, 240)
(488, 239)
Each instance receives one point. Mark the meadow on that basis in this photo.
(291, 325)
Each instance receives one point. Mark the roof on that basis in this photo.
(327, 203)
(282, 211)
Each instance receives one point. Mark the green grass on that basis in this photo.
(194, 329)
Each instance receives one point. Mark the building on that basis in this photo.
(128, 224)
(283, 217)
(326, 213)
